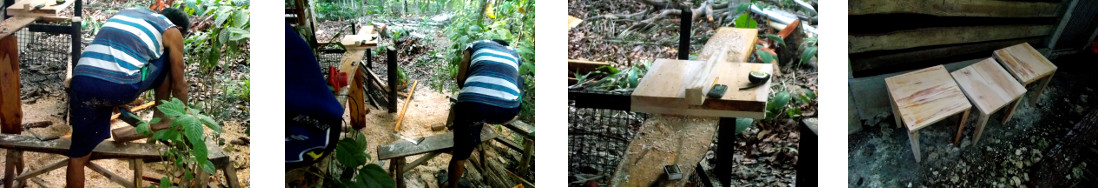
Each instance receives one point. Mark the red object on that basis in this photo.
(336, 79)
(1094, 47)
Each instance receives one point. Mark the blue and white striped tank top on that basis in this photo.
(127, 42)
(493, 76)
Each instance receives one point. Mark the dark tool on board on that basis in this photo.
(757, 79)
(673, 172)
(128, 116)
(717, 91)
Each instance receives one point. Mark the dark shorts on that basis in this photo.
(92, 101)
(469, 119)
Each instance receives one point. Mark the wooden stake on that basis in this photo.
(406, 102)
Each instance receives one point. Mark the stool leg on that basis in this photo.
(1010, 112)
(1041, 88)
(138, 170)
(961, 127)
(980, 128)
(9, 169)
(914, 137)
(230, 175)
(202, 178)
(399, 176)
(895, 112)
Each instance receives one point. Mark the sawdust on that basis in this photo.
(427, 109)
(665, 140)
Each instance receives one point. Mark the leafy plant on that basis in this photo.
(809, 46)
(225, 36)
(351, 157)
(777, 104)
(742, 124)
(185, 138)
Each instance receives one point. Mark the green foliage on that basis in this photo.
(778, 41)
(776, 105)
(745, 21)
(765, 57)
(224, 39)
(742, 124)
(614, 79)
(810, 49)
(338, 10)
(184, 137)
(513, 22)
(351, 156)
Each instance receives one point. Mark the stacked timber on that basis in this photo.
(897, 35)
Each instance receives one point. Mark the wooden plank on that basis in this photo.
(366, 38)
(860, 63)
(401, 148)
(11, 25)
(1025, 63)
(988, 85)
(664, 140)
(520, 127)
(926, 96)
(970, 8)
(573, 22)
(43, 170)
(28, 7)
(737, 44)
(405, 108)
(110, 175)
(942, 36)
(11, 111)
(105, 150)
(662, 90)
(420, 160)
(584, 66)
(357, 102)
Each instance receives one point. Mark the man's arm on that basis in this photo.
(173, 43)
(463, 68)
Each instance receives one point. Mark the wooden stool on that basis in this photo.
(924, 97)
(1027, 65)
(990, 88)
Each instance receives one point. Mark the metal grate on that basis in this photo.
(597, 141)
(43, 59)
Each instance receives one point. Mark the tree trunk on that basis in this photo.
(1069, 148)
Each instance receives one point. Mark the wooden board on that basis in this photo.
(738, 44)
(27, 7)
(366, 38)
(664, 140)
(894, 61)
(13, 24)
(105, 150)
(661, 91)
(925, 96)
(970, 8)
(11, 110)
(988, 85)
(943, 35)
(401, 148)
(1025, 63)
(573, 22)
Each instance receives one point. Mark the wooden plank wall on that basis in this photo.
(899, 35)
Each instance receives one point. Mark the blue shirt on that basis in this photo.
(127, 42)
(493, 76)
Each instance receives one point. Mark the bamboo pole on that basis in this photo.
(406, 102)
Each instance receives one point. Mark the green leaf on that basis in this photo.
(223, 14)
(171, 109)
(742, 124)
(350, 154)
(777, 39)
(241, 18)
(209, 122)
(236, 34)
(143, 128)
(194, 134)
(766, 57)
(808, 54)
(745, 21)
(633, 78)
(780, 99)
(375, 176)
(609, 69)
(164, 182)
(743, 7)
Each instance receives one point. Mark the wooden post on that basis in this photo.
(527, 155)
(358, 101)
(684, 33)
(138, 170)
(726, 136)
(399, 175)
(392, 66)
(230, 175)
(11, 113)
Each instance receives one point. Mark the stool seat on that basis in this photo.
(923, 97)
(990, 88)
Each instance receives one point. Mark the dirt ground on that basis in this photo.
(1007, 155)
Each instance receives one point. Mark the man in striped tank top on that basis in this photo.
(136, 50)
(491, 92)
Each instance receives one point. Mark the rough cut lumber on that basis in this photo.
(926, 96)
(110, 175)
(573, 22)
(1025, 63)
(664, 140)
(990, 88)
(129, 133)
(11, 25)
(971, 8)
(942, 36)
(105, 150)
(27, 7)
(662, 90)
(357, 101)
(402, 148)
(421, 160)
(737, 44)
(520, 127)
(11, 111)
(405, 108)
(365, 38)
(892, 60)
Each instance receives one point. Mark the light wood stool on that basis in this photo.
(924, 97)
(1027, 65)
(990, 88)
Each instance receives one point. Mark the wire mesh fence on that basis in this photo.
(597, 142)
(43, 60)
